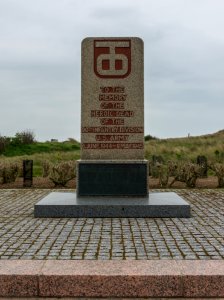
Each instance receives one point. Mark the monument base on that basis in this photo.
(112, 178)
(68, 205)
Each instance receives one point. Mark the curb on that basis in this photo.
(102, 279)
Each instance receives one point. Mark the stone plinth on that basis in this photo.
(156, 205)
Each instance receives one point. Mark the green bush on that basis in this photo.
(4, 142)
(150, 137)
(25, 137)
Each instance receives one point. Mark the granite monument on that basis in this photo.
(112, 119)
(112, 174)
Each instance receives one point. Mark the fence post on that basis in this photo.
(27, 173)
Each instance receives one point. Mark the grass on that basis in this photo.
(175, 149)
(14, 149)
(39, 158)
(53, 152)
(187, 149)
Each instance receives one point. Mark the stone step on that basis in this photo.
(68, 205)
(108, 279)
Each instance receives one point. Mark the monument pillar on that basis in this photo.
(112, 119)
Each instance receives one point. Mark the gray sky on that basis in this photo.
(40, 62)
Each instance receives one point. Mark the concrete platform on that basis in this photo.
(68, 205)
(108, 279)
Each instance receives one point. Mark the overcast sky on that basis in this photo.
(40, 62)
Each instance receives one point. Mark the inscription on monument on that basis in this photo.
(112, 99)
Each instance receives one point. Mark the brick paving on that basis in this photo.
(24, 237)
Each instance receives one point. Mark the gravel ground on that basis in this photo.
(24, 237)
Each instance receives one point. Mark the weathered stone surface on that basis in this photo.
(112, 120)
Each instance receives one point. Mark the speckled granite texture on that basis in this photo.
(112, 278)
(112, 108)
(68, 205)
(19, 278)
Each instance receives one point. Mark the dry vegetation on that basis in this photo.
(187, 149)
(55, 162)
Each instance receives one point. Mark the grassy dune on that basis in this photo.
(175, 149)
(188, 148)
(38, 152)
(14, 149)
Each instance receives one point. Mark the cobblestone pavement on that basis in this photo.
(24, 237)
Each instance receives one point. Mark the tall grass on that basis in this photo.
(39, 158)
(187, 149)
(173, 149)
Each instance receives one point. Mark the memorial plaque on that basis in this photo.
(112, 119)
(113, 179)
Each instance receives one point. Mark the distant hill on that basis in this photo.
(14, 149)
(219, 134)
(184, 148)
(188, 148)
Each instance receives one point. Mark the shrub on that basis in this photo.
(154, 165)
(9, 171)
(25, 137)
(46, 166)
(203, 164)
(72, 140)
(20, 167)
(62, 173)
(192, 174)
(186, 172)
(163, 174)
(218, 169)
(4, 141)
(154, 169)
(150, 137)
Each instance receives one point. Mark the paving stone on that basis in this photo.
(24, 237)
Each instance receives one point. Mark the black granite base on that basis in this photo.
(68, 205)
(112, 178)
